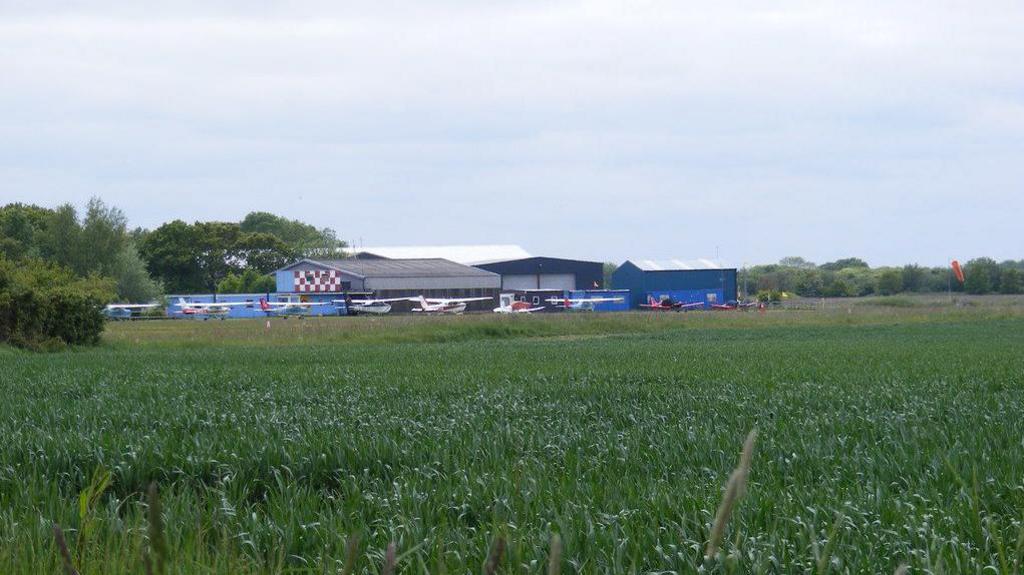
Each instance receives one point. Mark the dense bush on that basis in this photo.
(43, 306)
(249, 281)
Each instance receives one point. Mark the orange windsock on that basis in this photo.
(958, 271)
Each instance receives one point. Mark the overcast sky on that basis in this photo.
(893, 131)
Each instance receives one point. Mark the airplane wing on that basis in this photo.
(692, 305)
(372, 301)
(451, 300)
(211, 304)
(589, 299)
(132, 305)
(282, 304)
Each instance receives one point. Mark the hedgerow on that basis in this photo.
(44, 306)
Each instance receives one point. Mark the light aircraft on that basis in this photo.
(368, 306)
(126, 310)
(207, 309)
(668, 305)
(290, 307)
(733, 305)
(443, 305)
(582, 303)
(508, 304)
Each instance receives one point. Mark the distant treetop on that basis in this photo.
(844, 263)
(301, 237)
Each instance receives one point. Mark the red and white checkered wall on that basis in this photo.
(313, 281)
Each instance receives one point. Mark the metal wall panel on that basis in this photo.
(558, 281)
(425, 283)
(519, 282)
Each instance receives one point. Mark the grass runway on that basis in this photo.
(886, 436)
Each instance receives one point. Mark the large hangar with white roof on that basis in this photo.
(684, 281)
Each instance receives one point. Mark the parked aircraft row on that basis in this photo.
(507, 304)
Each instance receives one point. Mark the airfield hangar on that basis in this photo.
(389, 278)
(687, 281)
(519, 270)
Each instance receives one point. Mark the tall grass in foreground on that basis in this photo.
(879, 443)
(155, 560)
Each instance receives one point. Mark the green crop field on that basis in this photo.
(886, 436)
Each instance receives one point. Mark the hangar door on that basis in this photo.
(543, 281)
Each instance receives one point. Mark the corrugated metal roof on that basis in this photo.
(676, 265)
(468, 255)
(421, 267)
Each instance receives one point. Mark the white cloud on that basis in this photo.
(776, 122)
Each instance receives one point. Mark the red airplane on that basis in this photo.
(669, 305)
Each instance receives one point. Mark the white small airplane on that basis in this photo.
(443, 305)
(508, 304)
(369, 306)
(208, 309)
(126, 310)
(582, 303)
(289, 307)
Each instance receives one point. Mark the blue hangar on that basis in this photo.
(687, 281)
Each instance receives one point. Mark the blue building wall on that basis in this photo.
(285, 281)
(681, 285)
(253, 299)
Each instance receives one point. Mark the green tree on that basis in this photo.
(796, 262)
(809, 283)
(216, 252)
(300, 237)
(170, 253)
(844, 263)
(889, 282)
(249, 281)
(862, 281)
(981, 276)
(608, 269)
(61, 242)
(1011, 281)
(264, 253)
(43, 305)
(263, 284)
(103, 236)
(912, 277)
(232, 283)
(200, 256)
(21, 230)
(133, 282)
(839, 288)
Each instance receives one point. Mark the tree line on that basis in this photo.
(176, 257)
(852, 277)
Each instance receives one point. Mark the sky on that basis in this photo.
(887, 130)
